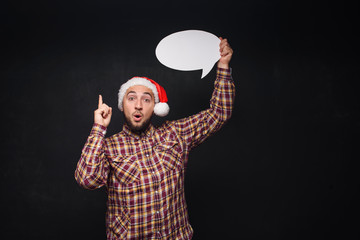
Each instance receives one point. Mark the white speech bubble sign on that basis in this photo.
(189, 50)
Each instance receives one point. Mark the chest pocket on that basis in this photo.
(126, 169)
(170, 154)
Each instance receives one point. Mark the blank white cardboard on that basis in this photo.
(189, 50)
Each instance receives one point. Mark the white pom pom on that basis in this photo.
(161, 109)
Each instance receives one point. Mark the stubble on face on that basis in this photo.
(137, 128)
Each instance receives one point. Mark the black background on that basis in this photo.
(284, 167)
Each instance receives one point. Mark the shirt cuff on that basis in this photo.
(223, 73)
(98, 129)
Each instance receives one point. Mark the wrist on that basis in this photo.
(223, 65)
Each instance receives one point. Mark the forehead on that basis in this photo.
(139, 89)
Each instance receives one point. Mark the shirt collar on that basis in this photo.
(147, 133)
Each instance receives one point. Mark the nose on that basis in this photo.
(138, 105)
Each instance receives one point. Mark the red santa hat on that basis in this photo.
(161, 108)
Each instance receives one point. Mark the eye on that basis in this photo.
(131, 98)
(147, 100)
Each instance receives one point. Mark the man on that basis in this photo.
(143, 167)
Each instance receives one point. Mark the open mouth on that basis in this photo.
(137, 117)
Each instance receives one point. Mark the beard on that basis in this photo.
(137, 128)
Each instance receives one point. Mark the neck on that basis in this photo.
(137, 132)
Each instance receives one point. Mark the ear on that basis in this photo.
(122, 109)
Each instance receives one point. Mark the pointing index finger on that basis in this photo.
(100, 101)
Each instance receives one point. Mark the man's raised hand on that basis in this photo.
(102, 115)
(226, 53)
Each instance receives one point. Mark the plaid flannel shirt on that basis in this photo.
(144, 174)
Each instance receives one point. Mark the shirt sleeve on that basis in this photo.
(93, 168)
(195, 129)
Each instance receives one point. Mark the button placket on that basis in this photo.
(157, 212)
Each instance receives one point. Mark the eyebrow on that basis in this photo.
(147, 93)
